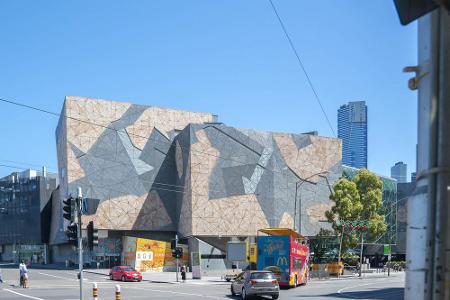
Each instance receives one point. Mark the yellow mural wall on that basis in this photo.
(156, 256)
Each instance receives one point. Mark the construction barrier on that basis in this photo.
(94, 291)
(335, 268)
(327, 270)
(118, 295)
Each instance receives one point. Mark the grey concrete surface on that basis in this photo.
(63, 285)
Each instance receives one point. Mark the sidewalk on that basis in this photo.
(166, 277)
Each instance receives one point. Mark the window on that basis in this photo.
(262, 275)
(297, 263)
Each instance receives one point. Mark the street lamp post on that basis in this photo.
(298, 184)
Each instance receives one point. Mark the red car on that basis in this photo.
(125, 273)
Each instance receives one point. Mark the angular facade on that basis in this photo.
(144, 168)
(240, 180)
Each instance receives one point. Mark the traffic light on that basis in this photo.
(177, 252)
(410, 10)
(173, 244)
(72, 234)
(92, 235)
(69, 209)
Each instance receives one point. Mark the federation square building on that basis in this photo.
(151, 172)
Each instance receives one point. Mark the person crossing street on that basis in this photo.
(23, 271)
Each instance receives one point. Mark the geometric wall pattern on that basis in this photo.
(158, 169)
(242, 180)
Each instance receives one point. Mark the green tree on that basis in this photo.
(321, 244)
(359, 199)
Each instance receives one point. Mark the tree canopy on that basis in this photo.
(359, 199)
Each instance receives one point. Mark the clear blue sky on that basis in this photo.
(226, 57)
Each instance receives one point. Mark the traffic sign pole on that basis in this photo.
(176, 246)
(80, 240)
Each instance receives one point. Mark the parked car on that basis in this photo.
(125, 273)
(255, 283)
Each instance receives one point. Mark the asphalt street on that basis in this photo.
(63, 285)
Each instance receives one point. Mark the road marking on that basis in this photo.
(60, 277)
(23, 295)
(354, 286)
(176, 293)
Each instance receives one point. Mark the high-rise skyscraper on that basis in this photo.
(399, 171)
(352, 129)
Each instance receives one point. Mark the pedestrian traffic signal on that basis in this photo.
(72, 234)
(177, 252)
(69, 209)
(92, 235)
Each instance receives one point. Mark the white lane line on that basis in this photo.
(60, 277)
(354, 286)
(175, 293)
(23, 295)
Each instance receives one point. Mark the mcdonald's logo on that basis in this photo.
(282, 261)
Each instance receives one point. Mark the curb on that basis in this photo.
(147, 280)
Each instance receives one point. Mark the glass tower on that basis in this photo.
(352, 129)
(399, 171)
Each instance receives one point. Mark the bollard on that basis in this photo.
(118, 296)
(95, 291)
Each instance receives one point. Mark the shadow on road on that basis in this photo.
(380, 294)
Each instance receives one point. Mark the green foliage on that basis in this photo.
(357, 199)
(320, 245)
(350, 259)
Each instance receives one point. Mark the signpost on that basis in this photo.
(359, 226)
(387, 251)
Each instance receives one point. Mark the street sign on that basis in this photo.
(237, 251)
(387, 249)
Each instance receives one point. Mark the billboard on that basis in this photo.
(147, 255)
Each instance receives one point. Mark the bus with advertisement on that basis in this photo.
(284, 252)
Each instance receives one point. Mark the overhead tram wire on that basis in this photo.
(132, 134)
(13, 167)
(30, 165)
(308, 78)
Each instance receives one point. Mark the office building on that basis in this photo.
(399, 171)
(413, 176)
(25, 211)
(352, 129)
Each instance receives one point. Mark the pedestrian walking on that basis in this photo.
(23, 271)
(183, 273)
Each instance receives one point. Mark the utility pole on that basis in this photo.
(361, 254)
(79, 207)
(428, 234)
(441, 169)
(176, 247)
(340, 244)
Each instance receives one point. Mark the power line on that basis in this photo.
(29, 164)
(13, 167)
(302, 66)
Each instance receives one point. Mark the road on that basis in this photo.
(63, 285)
